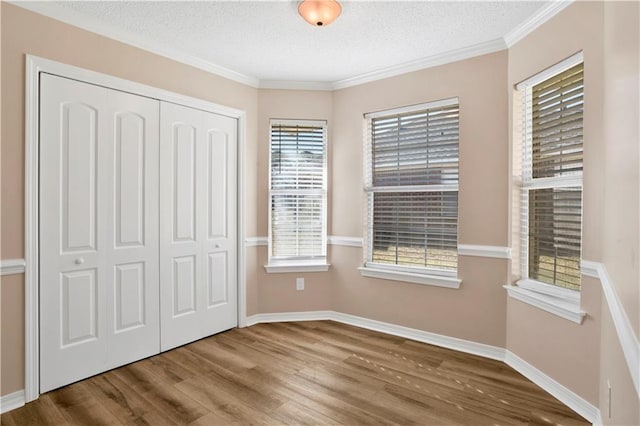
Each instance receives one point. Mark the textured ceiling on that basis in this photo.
(269, 41)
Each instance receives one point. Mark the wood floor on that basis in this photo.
(302, 373)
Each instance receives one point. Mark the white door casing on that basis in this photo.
(98, 229)
(198, 224)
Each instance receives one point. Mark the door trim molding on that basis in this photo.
(36, 65)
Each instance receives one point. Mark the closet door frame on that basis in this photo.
(34, 67)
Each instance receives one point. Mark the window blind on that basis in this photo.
(412, 182)
(552, 179)
(297, 190)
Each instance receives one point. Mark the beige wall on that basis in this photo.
(479, 304)
(614, 373)
(565, 351)
(621, 234)
(24, 32)
(12, 342)
(277, 291)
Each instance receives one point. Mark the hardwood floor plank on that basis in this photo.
(175, 405)
(124, 403)
(302, 373)
(79, 407)
(39, 412)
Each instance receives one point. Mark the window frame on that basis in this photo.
(563, 302)
(412, 274)
(298, 263)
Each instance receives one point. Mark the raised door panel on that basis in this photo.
(130, 179)
(79, 307)
(184, 182)
(217, 182)
(130, 300)
(217, 280)
(184, 285)
(79, 130)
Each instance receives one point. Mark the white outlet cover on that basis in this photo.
(299, 283)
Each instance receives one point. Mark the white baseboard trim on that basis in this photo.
(12, 401)
(628, 339)
(289, 316)
(566, 396)
(12, 266)
(454, 343)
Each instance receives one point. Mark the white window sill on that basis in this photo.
(410, 277)
(559, 305)
(296, 267)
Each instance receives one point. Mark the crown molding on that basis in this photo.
(296, 85)
(52, 10)
(420, 64)
(540, 17)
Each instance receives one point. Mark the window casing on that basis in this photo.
(411, 181)
(550, 189)
(297, 195)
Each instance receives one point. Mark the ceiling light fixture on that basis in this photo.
(319, 13)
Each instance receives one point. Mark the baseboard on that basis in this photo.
(288, 317)
(12, 401)
(564, 395)
(461, 345)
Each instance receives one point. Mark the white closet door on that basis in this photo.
(198, 253)
(98, 230)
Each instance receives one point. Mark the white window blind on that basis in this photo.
(412, 185)
(297, 192)
(552, 178)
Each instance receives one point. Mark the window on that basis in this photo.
(551, 186)
(298, 196)
(412, 193)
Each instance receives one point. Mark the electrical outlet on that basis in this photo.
(299, 283)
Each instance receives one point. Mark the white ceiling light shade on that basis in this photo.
(319, 13)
